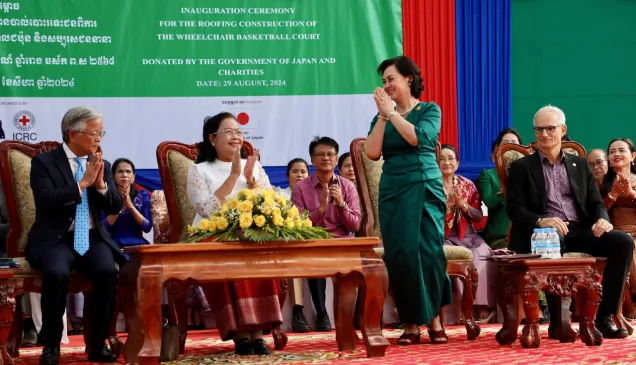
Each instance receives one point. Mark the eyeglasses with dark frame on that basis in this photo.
(323, 155)
(550, 129)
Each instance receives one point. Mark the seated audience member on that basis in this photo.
(553, 189)
(618, 192)
(345, 167)
(244, 309)
(489, 188)
(70, 194)
(463, 208)
(332, 202)
(297, 169)
(127, 226)
(597, 160)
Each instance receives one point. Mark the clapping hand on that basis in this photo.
(235, 170)
(249, 166)
(324, 198)
(125, 194)
(383, 102)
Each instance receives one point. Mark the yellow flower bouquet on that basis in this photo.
(256, 215)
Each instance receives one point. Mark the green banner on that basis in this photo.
(153, 48)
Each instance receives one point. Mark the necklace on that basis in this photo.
(408, 111)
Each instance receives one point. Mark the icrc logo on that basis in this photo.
(24, 120)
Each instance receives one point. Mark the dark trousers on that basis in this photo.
(318, 289)
(618, 247)
(98, 264)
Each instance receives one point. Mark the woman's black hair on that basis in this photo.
(501, 135)
(342, 159)
(450, 147)
(211, 125)
(406, 67)
(608, 179)
(133, 189)
(291, 163)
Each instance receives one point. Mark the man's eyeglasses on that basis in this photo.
(323, 155)
(597, 163)
(94, 134)
(550, 129)
(231, 132)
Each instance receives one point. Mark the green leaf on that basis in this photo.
(257, 235)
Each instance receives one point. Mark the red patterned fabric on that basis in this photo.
(455, 217)
(244, 305)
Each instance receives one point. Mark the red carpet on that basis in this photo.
(204, 347)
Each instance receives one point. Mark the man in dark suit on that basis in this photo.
(551, 188)
(72, 185)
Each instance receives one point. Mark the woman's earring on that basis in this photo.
(212, 144)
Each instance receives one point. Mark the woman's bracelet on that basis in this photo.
(609, 195)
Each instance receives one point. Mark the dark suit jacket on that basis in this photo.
(56, 197)
(526, 196)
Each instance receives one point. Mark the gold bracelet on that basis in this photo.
(609, 195)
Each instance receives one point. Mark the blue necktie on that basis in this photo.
(80, 243)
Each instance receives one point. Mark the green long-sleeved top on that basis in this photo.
(489, 188)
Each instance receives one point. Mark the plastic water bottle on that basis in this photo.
(533, 241)
(542, 240)
(555, 244)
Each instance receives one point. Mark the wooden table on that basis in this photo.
(524, 278)
(7, 307)
(350, 262)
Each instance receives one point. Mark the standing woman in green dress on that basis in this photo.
(411, 199)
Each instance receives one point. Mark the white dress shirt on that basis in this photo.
(71, 160)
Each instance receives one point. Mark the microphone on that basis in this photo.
(333, 182)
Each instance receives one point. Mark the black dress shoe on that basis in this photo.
(243, 347)
(100, 354)
(608, 329)
(50, 356)
(322, 322)
(299, 323)
(260, 347)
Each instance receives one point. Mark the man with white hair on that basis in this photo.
(72, 186)
(554, 189)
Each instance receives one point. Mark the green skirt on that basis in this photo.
(412, 224)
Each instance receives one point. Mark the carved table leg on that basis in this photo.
(469, 281)
(510, 306)
(128, 292)
(593, 293)
(530, 335)
(373, 291)
(149, 287)
(7, 309)
(344, 301)
(15, 333)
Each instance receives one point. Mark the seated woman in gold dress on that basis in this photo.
(617, 190)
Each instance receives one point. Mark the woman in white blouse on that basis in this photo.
(243, 309)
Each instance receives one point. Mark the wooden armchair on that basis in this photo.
(15, 169)
(508, 153)
(174, 160)
(460, 259)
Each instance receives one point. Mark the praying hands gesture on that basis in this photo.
(94, 174)
(383, 102)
